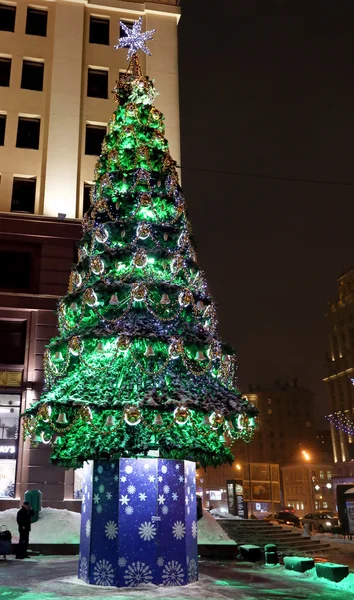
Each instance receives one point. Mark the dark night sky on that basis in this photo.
(267, 88)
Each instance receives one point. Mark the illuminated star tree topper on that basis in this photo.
(135, 39)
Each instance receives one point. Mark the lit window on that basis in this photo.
(329, 475)
(321, 475)
(7, 17)
(325, 504)
(99, 31)
(9, 429)
(36, 23)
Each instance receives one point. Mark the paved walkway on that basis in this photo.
(54, 578)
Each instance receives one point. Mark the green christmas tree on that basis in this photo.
(138, 364)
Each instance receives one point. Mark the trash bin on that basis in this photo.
(271, 554)
(34, 497)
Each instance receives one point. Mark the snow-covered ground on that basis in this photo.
(63, 527)
(53, 526)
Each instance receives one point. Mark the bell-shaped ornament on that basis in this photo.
(62, 420)
(114, 300)
(165, 236)
(158, 420)
(73, 306)
(200, 355)
(58, 357)
(165, 299)
(100, 348)
(122, 233)
(200, 305)
(149, 351)
(222, 439)
(110, 421)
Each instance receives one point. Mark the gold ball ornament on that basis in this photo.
(89, 297)
(140, 258)
(97, 265)
(176, 348)
(101, 205)
(216, 420)
(75, 345)
(139, 291)
(123, 343)
(185, 298)
(177, 263)
(181, 415)
(143, 231)
(132, 415)
(145, 200)
(101, 235)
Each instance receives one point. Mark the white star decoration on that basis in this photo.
(135, 39)
(174, 496)
(124, 500)
(161, 499)
(142, 497)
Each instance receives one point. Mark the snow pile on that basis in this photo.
(223, 515)
(346, 584)
(210, 532)
(53, 526)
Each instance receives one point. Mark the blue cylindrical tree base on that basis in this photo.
(139, 523)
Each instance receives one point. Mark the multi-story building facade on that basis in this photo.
(285, 424)
(340, 372)
(308, 487)
(57, 69)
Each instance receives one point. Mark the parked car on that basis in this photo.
(321, 520)
(288, 518)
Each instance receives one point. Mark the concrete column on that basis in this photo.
(334, 443)
(64, 116)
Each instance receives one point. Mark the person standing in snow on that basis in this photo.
(24, 527)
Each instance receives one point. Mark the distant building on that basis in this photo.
(286, 424)
(340, 370)
(308, 487)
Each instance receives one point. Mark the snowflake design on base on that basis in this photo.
(103, 573)
(109, 495)
(174, 496)
(129, 510)
(101, 488)
(166, 489)
(172, 573)
(131, 489)
(99, 508)
(164, 469)
(122, 562)
(83, 571)
(123, 479)
(128, 470)
(124, 500)
(96, 499)
(93, 559)
(160, 561)
(165, 509)
(178, 530)
(100, 469)
(194, 529)
(147, 531)
(137, 573)
(88, 528)
(192, 571)
(142, 497)
(111, 530)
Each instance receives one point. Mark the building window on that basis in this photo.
(7, 17)
(97, 83)
(121, 29)
(2, 129)
(36, 23)
(316, 505)
(16, 272)
(270, 412)
(78, 483)
(94, 139)
(32, 75)
(87, 196)
(329, 475)
(5, 71)
(23, 195)
(324, 504)
(321, 475)
(10, 405)
(99, 31)
(28, 133)
(13, 333)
